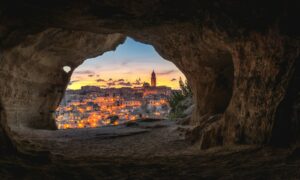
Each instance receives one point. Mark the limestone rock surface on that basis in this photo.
(240, 58)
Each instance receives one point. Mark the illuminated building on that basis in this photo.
(92, 107)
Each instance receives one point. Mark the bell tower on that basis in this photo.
(153, 79)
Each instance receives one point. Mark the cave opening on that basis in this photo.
(240, 58)
(130, 84)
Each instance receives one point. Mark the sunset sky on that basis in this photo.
(129, 65)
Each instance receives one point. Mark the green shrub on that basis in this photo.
(177, 108)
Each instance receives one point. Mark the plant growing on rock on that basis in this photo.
(177, 100)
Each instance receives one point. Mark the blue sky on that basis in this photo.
(131, 60)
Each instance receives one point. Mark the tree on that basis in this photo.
(177, 97)
(185, 88)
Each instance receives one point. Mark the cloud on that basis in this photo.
(125, 84)
(100, 80)
(166, 72)
(173, 79)
(91, 75)
(117, 81)
(84, 72)
(71, 82)
(110, 79)
(137, 82)
(124, 63)
(98, 75)
(110, 84)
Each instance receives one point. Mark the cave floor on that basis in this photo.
(140, 139)
(146, 150)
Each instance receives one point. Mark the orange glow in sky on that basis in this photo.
(129, 65)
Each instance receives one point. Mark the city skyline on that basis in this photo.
(130, 65)
(92, 106)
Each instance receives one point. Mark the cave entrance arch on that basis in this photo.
(45, 79)
(128, 84)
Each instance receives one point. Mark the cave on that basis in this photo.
(240, 58)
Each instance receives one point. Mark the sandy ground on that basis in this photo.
(141, 139)
(147, 150)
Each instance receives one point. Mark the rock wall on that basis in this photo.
(263, 68)
(286, 122)
(32, 77)
(237, 83)
(6, 144)
(239, 58)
